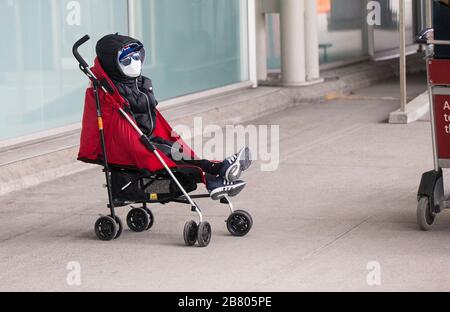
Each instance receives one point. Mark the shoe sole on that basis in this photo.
(230, 191)
(242, 163)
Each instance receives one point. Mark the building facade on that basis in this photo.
(192, 46)
(344, 33)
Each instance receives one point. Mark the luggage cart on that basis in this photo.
(431, 196)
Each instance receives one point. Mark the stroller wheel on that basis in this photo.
(106, 228)
(138, 220)
(190, 233)
(204, 234)
(119, 227)
(239, 223)
(425, 216)
(151, 218)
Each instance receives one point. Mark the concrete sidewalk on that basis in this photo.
(344, 196)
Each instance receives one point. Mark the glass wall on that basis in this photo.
(40, 84)
(341, 32)
(387, 36)
(193, 45)
(273, 41)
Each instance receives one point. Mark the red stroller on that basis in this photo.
(136, 172)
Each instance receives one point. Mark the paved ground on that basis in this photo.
(344, 196)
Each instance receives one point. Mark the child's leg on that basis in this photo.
(207, 166)
(230, 169)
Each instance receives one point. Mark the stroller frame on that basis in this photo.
(110, 227)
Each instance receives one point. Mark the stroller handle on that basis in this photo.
(77, 55)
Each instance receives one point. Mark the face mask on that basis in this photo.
(133, 70)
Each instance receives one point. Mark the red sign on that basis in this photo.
(442, 116)
(439, 72)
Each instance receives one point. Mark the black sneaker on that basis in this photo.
(219, 188)
(233, 166)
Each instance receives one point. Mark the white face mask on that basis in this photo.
(133, 70)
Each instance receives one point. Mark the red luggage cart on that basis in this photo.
(431, 195)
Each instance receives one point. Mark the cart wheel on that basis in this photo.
(138, 220)
(204, 234)
(151, 218)
(190, 233)
(119, 227)
(106, 228)
(239, 223)
(425, 217)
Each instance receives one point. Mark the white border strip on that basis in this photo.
(244, 32)
(441, 91)
(444, 163)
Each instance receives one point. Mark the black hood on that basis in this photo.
(107, 52)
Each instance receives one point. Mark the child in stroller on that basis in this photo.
(117, 72)
(122, 58)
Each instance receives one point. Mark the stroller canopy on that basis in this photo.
(123, 145)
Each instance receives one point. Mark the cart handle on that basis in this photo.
(439, 42)
(426, 36)
(77, 55)
(84, 67)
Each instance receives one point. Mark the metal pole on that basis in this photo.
(312, 41)
(293, 60)
(131, 18)
(253, 66)
(368, 33)
(103, 144)
(402, 30)
(429, 13)
(261, 42)
(433, 122)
